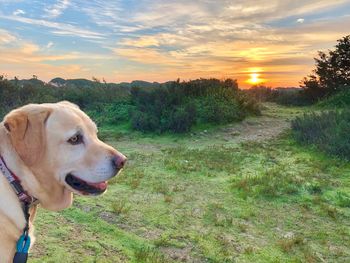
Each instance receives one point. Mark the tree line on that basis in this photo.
(171, 107)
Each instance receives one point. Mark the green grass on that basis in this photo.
(336, 101)
(204, 199)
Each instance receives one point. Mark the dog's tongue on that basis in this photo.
(101, 186)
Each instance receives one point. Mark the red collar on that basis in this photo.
(14, 181)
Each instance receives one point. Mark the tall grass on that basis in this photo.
(328, 131)
(337, 101)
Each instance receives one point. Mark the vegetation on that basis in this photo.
(240, 192)
(328, 130)
(282, 96)
(16, 93)
(332, 72)
(171, 107)
(180, 105)
(331, 76)
(339, 100)
(217, 196)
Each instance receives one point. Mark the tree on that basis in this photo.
(96, 80)
(332, 72)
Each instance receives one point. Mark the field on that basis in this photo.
(244, 192)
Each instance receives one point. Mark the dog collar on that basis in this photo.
(14, 181)
(23, 243)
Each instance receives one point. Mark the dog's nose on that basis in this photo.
(119, 161)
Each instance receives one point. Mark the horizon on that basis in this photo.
(255, 42)
(34, 77)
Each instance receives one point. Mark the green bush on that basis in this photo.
(328, 131)
(338, 101)
(180, 120)
(282, 96)
(144, 122)
(105, 104)
(110, 113)
(291, 97)
(171, 107)
(217, 111)
(177, 107)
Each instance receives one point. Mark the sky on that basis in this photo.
(270, 42)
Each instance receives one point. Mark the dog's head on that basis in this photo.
(59, 143)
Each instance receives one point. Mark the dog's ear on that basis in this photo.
(27, 133)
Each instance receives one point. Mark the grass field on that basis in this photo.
(244, 192)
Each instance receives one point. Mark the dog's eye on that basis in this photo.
(76, 139)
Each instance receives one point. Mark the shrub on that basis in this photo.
(282, 96)
(106, 104)
(110, 113)
(177, 107)
(144, 122)
(328, 130)
(261, 93)
(171, 107)
(291, 97)
(338, 101)
(213, 110)
(180, 120)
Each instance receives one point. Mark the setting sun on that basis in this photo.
(254, 79)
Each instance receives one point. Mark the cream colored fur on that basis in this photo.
(33, 143)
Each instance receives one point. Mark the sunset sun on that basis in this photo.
(254, 78)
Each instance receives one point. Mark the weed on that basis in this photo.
(131, 177)
(287, 244)
(330, 210)
(275, 181)
(242, 227)
(168, 198)
(162, 242)
(149, 255)
(161, 187)
(314, 188)
(213, 159)
(343, 199)
(120, 206)
(216, 214)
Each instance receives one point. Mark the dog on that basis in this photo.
(48, 152)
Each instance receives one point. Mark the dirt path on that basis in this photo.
(274, 120)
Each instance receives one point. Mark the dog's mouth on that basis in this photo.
(85, 188)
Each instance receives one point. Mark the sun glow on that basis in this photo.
(254, 78)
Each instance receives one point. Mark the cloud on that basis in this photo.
(60, 28)
(171, 15)
(29, 49)
(56, 9)
(223, 50)
(156, 40)
(166, 39)
(18, 12)
(24, 59)
(145, 56)
(106, 14)
(49, 45)
(6, 37)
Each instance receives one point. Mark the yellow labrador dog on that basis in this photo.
(47, 153)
